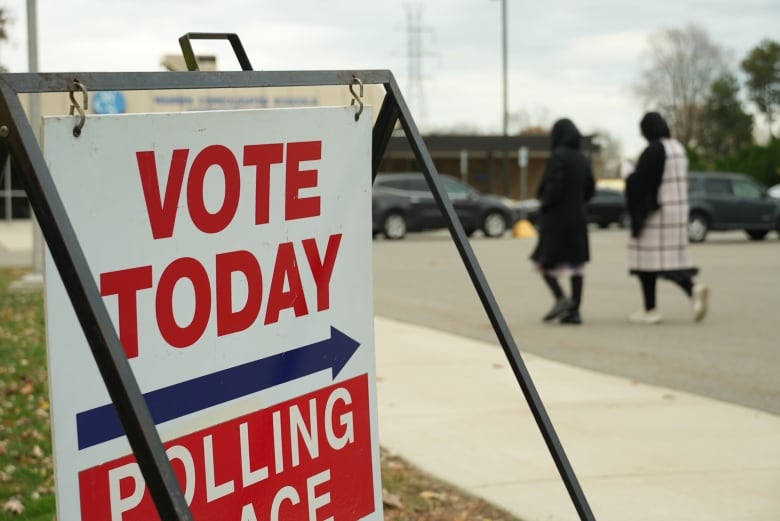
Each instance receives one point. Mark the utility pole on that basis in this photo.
(33, 281)
(504, 68)
(504, 109)
(35, 119)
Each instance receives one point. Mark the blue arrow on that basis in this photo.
(102, 423)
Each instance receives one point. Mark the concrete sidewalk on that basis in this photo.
(16, 243)
(452, 407)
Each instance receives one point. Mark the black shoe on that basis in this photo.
(572, 317)
(562, 305)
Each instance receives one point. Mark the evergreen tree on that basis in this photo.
(762, 66)
(760, 161)
(724, 126)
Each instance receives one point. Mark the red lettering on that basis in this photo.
(236, 280)
(335, 482)
(262, 157)
(174, 334)
(322, 271)
(125, 284)
(161, 210)
(285, 269)
(297, 207)
(229, 321)
(162, 204)
(221, 156)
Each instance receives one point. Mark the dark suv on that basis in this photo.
(403, 202)
(607, 206)
(728, 201)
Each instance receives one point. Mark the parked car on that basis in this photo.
(774, 191)
(529, 209)
(607, 206)
(730, 201)
(402, 202)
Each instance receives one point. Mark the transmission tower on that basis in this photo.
(414, 31)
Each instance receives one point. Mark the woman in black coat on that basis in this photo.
(562, 247)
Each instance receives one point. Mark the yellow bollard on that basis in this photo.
(524, 229)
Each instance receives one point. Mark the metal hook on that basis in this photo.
(356, 97)
(74, 104)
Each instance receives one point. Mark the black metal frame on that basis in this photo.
(18, 139)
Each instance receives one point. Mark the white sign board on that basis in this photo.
(522, 157)
(233, 253)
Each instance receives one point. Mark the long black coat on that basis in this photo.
(567, 185)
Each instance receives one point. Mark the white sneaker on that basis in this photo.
(645, 317)
(700, 297)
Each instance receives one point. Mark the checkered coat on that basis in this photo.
(662, 243)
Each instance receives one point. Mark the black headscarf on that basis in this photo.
(654, 126)
(565, 134)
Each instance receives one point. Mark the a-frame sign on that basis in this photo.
(135, 411)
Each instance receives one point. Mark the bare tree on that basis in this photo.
(460, 128)
(606, 161)
(683, 63)
(523, 119)
(3, 23)
(3, 34)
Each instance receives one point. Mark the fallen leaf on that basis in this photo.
(391, 500)
(396, 465)
(14, 506)
(430, 495)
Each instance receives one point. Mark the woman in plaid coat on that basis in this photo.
(657, 200)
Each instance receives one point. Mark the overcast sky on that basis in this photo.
(569, 58)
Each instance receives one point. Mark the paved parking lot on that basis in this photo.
(732, 356)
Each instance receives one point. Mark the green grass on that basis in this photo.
(26, 471)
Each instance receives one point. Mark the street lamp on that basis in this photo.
(505, 113)
(504, 65)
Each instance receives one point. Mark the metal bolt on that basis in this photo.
(3, 131)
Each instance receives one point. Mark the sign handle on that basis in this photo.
(235, 42)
